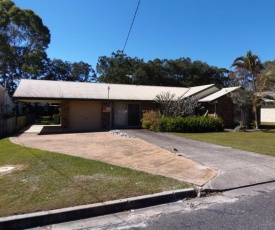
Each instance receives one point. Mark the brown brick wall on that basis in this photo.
(224, 109)
(65, 114)
(148, 106)
(105, 117)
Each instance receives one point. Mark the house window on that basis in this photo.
(120, 114)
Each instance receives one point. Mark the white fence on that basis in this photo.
(10, 125)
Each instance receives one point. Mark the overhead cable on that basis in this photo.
(131, 26)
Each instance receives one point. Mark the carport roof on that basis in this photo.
(43, 90)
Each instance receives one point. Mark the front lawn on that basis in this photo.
(255, 141)
(45, 180)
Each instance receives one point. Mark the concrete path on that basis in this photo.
(237, 168)
(127, 152)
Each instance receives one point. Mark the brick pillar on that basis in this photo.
(65, 114)
(105, 118)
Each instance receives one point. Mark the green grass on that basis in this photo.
(268, 125)
(47, 180)
(44, 120)
(255, 141)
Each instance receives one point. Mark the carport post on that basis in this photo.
(110, 107)
(110, 115)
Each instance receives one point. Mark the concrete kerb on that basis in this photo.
(87, 211)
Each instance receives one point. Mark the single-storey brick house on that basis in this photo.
(221, 105)
(97, 106)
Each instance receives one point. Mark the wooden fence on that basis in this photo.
(13, 124)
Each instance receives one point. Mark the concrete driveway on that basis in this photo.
(133, 153)
(237, 168)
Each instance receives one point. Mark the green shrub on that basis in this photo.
(56, 118)
(190, 124)
(150, 120)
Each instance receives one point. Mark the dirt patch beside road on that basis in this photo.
(127, 152)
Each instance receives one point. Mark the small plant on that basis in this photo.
(150, 120)
(253, 124)
(56, 118)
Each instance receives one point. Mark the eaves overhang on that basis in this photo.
(58, 100)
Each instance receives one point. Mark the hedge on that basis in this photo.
(191, 124)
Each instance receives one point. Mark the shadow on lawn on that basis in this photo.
(268, 128)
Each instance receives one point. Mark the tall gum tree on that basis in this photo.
(268, 76)
(23, 43)
(167, 72)
(58, 70)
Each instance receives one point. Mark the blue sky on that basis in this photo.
(214, 31)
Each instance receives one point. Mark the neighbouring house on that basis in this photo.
(268, 107)
(221, 105)
(7, 111)
(97, 106)
(7, 106)
(268, 112)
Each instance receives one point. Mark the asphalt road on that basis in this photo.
(246, 208)
(250, 213)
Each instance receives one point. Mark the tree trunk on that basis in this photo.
(256, 119)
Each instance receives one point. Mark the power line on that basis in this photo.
(131, 27)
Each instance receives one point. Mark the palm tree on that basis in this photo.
(248, 68)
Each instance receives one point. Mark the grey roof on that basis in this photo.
(39, 90)
(269, 93)
(268, 100)
(216, 95)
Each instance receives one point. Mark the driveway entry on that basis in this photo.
(237, 168)
(133, 153)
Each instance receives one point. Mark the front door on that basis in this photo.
(133, 115)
